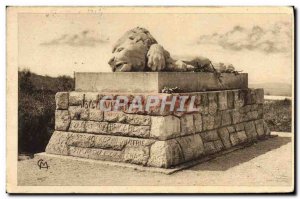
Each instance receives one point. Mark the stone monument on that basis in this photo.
(127, 116)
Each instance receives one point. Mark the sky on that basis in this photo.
(58, 44)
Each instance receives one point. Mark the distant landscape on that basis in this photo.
(277, 89)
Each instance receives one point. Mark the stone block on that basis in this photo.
(204, 98)
(209, 148)
(226, 118)
(134, 119)
(203, 107)
(187, 124)
(191, 146)
(218, 120)
(259, 124)
(62, 120)
(218, 145)
(136, 155)
(250, 131)
(203, 110)
(76, 98)
(96, 115)
(198, 99)
(260, 111)
(78, 113)
(118, 129)
(110, 142)
(154, 82)
(77, 126)
(81, 140)
(96, 127)
(239, 98)
(139, 131)
(254, 107)
(79, 152)
(208, 136)
(107, 155)
(234, 139)
(115, 116)
(236, 116)
(198, 122)
(252, 115)
(224, 135)
(230, 99)
(239, 127)
(163, 128)
(84, 114)
(212, 105)
(250, 96)
(245, 109)
(58, 143)
(165, 154)
(208, 122)
(222, 100)
(62, 100)
(92, 97)
(97, 154)
(230, 129)
(129, 130)
(242, 136)
(259, 96)
(244, 117)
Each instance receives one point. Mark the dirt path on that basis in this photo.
(267, 163)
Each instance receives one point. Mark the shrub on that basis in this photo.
(36, 109)
(278, 114)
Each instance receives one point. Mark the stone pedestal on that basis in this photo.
(224, 119)
(154, 82)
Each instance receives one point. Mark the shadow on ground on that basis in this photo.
(225, 162)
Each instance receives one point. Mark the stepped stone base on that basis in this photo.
(170, 170)
(225, 119)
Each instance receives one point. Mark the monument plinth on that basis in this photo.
(220, 120)
(154, 82)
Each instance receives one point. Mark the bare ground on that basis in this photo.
(267, 163)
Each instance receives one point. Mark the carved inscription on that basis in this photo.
(77, 126)
(96, 127)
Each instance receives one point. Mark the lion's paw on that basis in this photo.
(156, 58)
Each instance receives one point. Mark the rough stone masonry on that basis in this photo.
(225, 119)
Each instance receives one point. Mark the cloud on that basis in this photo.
(84, 38)
(273, 39)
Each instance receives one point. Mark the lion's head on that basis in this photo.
(130, 51)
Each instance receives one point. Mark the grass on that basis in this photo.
(278, 115)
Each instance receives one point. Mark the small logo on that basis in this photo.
(42, 164)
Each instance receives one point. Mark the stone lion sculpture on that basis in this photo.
(137, 50)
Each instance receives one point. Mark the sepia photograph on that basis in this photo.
(150, 99)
